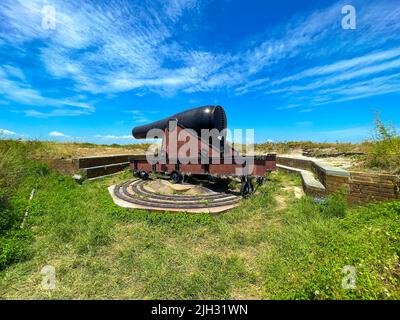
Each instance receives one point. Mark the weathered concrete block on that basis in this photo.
(89, 162)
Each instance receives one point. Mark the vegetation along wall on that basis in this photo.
(361, 187)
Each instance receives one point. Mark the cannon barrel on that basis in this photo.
(207, 117)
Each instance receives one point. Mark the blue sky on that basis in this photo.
(285, 68)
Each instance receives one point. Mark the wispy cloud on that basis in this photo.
(343, 65)
(361, 89)
(175, 8)
(305, 110)
(56, 134)
(138, 116)
(6, 132)
(113, 47)
(345, 76)
(289, 106)
(113, 137)
(13, 86)
(55, 113)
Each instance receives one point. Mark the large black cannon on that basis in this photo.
(207, 117)
(229, 161)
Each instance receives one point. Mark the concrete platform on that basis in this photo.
(90, 162)
(311, 185)
(104, 170)
(138, 194)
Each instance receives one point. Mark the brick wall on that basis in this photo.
(367, 187)
(333, 183)
(362, 187)
(64, 166)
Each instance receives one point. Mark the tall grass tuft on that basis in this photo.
(336, 204)
(384, 151)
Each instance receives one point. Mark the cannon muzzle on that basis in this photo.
(207, 117)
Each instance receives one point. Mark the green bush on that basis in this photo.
(8, 219)
(384, 151)
(13, 247)
(388, 208)
(336, 204)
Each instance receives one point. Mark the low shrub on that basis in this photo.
(384, 149)
(336, 204)
(13, 247)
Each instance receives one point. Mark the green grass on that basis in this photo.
(384, 151)
(62, 150)
(263, 249)
(17, 175)
(259, 250)
(317, 147)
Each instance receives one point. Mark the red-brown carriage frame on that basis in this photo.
(228, 165)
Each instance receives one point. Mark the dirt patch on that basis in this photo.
(298, 192)
(293, 190)
(288, 192)
(281, 202)
(168, 188)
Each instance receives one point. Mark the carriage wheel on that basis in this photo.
(260, 180)
(144, 175)
(176, 177)
(246, 189)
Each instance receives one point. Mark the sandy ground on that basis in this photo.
(340, 162)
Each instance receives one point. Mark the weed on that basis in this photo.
(336, 204)
(384, 150)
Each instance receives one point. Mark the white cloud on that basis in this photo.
(115, 46)
(320, 30)
(14, 87)
(14, 72)
(113, 137)
(289, 106)
(55, 113)
(345, 76)
(175, 8)
(305, 110)
(139, 116)
(343, 65)
(56, 134)
(362, 89)
(6, 132)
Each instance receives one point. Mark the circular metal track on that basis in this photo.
(135, 193)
